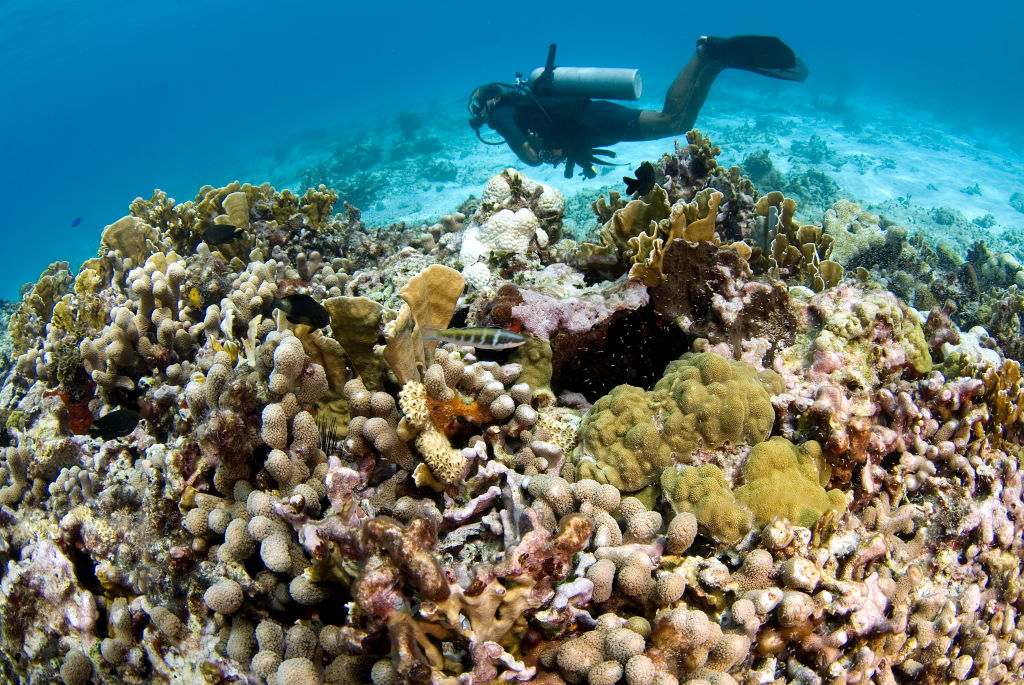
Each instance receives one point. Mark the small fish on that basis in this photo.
(300, 308)
(77, 220)
(644, 181)
(195, 298)
(115, 424)
(222, 234)
(483, 338)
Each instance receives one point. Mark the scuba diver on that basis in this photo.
(550, 117)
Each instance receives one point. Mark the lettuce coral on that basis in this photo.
(635, 233)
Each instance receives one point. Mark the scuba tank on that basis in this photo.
(588, 82)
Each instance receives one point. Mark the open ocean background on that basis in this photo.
(105, 101)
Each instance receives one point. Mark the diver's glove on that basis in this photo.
(586, 158)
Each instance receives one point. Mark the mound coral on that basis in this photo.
(702, 401)
(783, 479)
(704, 492)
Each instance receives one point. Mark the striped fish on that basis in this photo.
(482, 338)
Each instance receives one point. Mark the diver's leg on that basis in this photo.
(766, 55)
(684, 98)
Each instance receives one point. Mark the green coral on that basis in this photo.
(702, 401)
(704, 492)
(787, 480)
(535, 358)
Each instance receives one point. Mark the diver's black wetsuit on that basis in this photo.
(569, 129)
(565, 123)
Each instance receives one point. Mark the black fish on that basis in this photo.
(115, 424)
(221, 234)
(644, 181)
(77, 220)
(303, 309)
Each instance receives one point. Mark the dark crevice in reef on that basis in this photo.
(632, 348)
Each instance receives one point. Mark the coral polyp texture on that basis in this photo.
(731, 448)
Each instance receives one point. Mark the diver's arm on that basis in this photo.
(503, 121)
(526, 153)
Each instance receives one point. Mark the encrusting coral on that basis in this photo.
(731, 461)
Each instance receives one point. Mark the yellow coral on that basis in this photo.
(619, 442)
(317, 205)
(236, 209)
(432, 294)
(1004, 392)
(430, 300)
(535, 358)
(355, 323)
(403, 351)
(328, 353)
(704, 492)
(638, 232)
(445, 461)
(702, 400)
(36, 308)
(132, 237)
(558, 425)
(693, 221)
(721, 401)
(413, 401)
(797, 252)
(448, 416)
(788, 480)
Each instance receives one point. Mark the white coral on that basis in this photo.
(504, 232)
(509, 232)
(497, 192)
(477, 275)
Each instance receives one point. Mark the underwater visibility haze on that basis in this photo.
(303, 382)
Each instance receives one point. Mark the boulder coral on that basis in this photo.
(787, 480)
(702, 401)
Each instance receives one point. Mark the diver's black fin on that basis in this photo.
(632, 184)
(766, 55)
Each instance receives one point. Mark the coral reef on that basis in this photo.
(733, 447)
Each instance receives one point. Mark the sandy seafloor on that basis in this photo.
(900, 162)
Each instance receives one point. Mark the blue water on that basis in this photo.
(104, 101)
